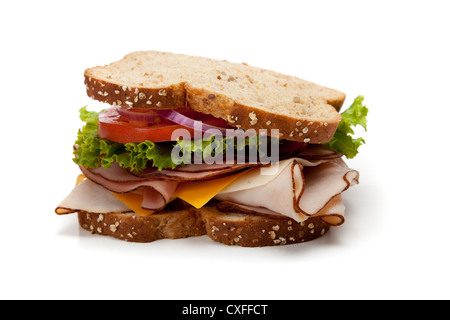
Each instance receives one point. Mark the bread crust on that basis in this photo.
(102, 86)
(168, 97)
(246, 117)
(240, 229)
(135, 228)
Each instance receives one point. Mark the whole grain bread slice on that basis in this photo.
(246, 230)
(135, 228)
(245, 96)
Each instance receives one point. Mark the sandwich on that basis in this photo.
(191, 146)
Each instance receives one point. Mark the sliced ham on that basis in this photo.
(194, 172)
(190, 172)
(318, 152)
(157, 193)
(116, 173)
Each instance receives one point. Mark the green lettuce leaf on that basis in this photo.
(92, 152)
(343, 142)
(214, 146)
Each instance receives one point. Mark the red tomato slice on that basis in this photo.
(113, 127)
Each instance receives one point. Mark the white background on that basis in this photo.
(395, 243)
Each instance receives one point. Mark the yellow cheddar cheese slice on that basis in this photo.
(198, 193)
(134, 202)
(80, 179)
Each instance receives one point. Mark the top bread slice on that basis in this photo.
(245, 96)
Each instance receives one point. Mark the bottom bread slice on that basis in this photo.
(247, 230)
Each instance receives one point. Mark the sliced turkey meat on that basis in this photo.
(298, 190)
(90, 197)
(332, 213)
